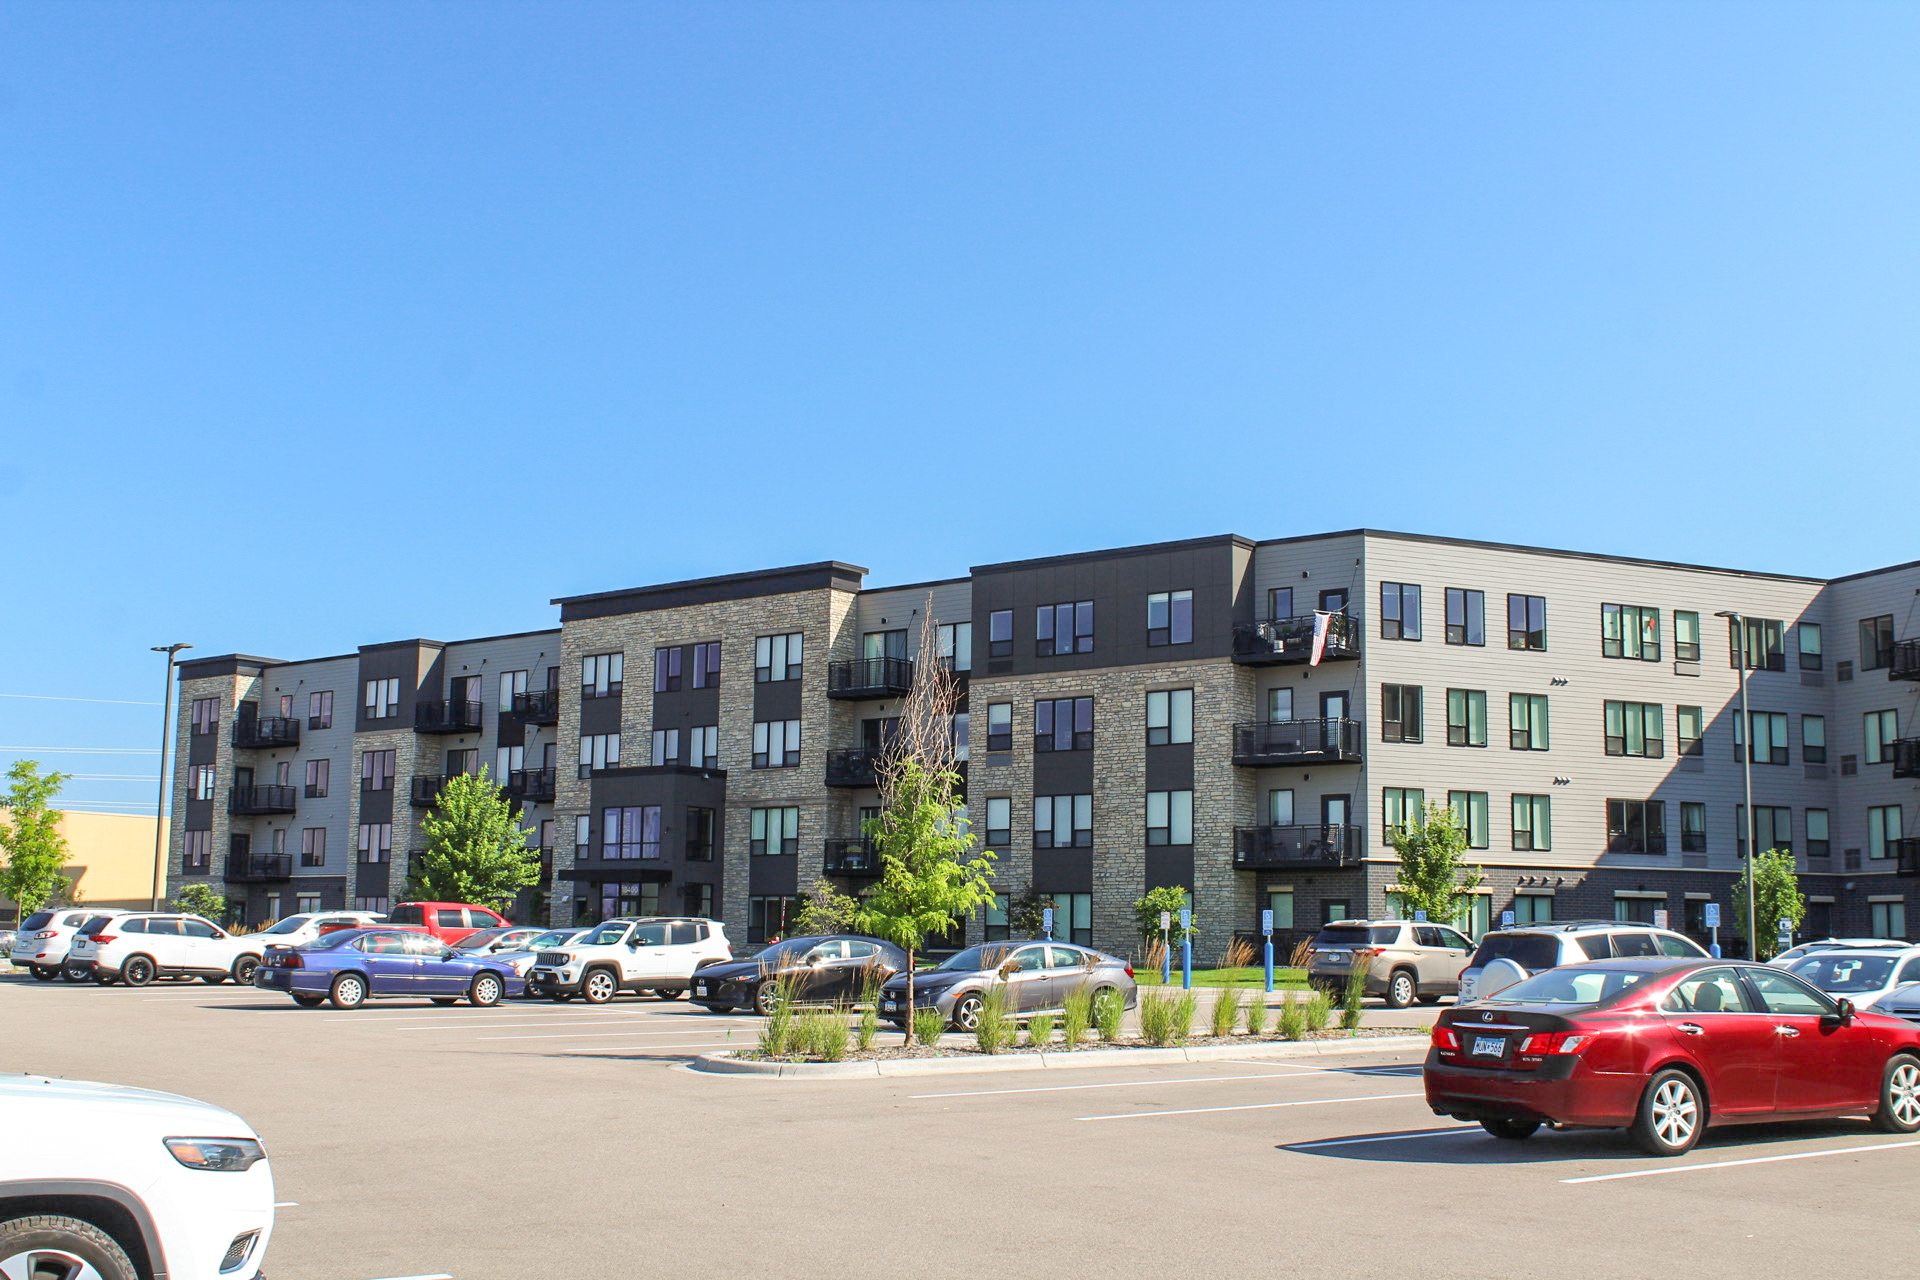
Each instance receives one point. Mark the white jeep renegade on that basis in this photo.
(656, 953)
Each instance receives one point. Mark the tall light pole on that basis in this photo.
(160, 807)
(1745, 726)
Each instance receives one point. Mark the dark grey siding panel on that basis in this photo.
(377, 806)
(1063, 870)
(1060, 773)
(773, 876)
(200, 815)
(204, 748)
(687, 707)
(1171, 865)
(373, 879)
(733, 586)
(601, 715)
(1170, 768)
(780, 699)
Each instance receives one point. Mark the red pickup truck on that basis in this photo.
(447, 921)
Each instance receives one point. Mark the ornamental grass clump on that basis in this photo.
(1076, 1015)
(1355, 993)
(1319, 1011)
(777, 1033)
(1185, 1005)
(1226, 1011)
(1109, 1011)
(1294, 1018)
(928, 1026)
(823, 1034)
(1257, 1015)
(869, 1012)
(1238, 955)
(1040, 1030)
(1156, 1018)
(996, 1030)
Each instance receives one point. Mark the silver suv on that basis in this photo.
(655, 953)
(1407, 960)
(1538, 947)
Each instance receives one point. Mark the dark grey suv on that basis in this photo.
(1038, 976)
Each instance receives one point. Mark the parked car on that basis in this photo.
(297, 930)
(356, 965)
(1406, 959)
(1864, 975)
(1667, 1048)
(140, 946)
(522, 955)
(658, 954)
(447, 921)
(1038, 977)
(1787, 957)
(41, 943)
(489, 941)
(1539, 947)
(109, 1182)
(819, 969)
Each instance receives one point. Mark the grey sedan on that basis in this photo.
(1038, 977)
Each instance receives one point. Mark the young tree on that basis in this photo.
(1026, 913)
(32, 850)
(1776, 897)
(201, 900)
(1167, 898)
(931, 875)
(824, 909)
(1432, 861)
(476, 851)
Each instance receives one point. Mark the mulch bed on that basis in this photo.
(968, 1049)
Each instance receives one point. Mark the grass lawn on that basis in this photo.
(1251, 976)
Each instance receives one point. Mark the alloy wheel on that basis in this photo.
(599, 987)
(47, 1264)
(966, 1014)
(1903, 1091)
(486, 989)
(1675, 1112)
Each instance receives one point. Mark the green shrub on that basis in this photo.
(996, 1030)
(928, 1026)
(1108, 1013)
(869, 1012)
(1257, 1014)
(778, 1032)
(1040, 1030)
(1185, 1005)
(1319, 1011)
(1226, 1011)
(1294, 1017)
(823, 1033)
(1355, 993)
(1076, 1015)
(1167, 1018)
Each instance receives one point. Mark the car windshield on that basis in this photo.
(1531, 951)
(1578, 985)
(478, 941)
(38, 920)
(335, 938)
(785, 953)
(292, 924)
(605, 936)
(1352, 935)
(976, 959)
(1842, 971)
(551, 938)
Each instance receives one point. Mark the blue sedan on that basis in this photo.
(353, 966)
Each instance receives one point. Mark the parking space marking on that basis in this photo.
(584, 1035)
(1731, 1164)
(1251, 1106)
(1385, 1137)
(1388, 1069)
(287, 1204)
(438, 1275)
(516, 1024)
(650, 1048)
(1110, 1084)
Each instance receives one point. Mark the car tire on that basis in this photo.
(765, 997)
(1402, 989)
(309, 1002)
(668, 993)
(561, 997)
(213, 979)
(485, 990)
(445, 1000)
(1672, 1115)
(103, 979)
(1100, 997)
(599, 986)
(1899, 1110)
(717, 1008)
(1511, 1130)
(43, 974)
(68, 1244)
(349, 991)
(243, 969)
(966, 1012)
(74, 973)
(138, 971)
(1429, 999)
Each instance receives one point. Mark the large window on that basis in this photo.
(598, 751)
(196, 854)
(1693, 827)
(1000, 633)
(376, 842)
(1169, 817)
(884, 644)
(1810, 653)
(1063, 724)
(630, 831)
(1401, 809)
(201, 781)
(1399, 611)
(778, 658)
(1279, 704)
(1883, 828)
(774, 831)
(1527, 728)
(701, 832)
(1400, 719)
(770, 919)
(1063, 822)
(1635, 729)
(383, 698)
(320, 709)
(1532, 822)
(1813, 739)
(1280, 807)
(706, 665)
(1690, 725)
(954, 640)
(1876, 642)
(1772, 826)
(511, 683)
(376, 770)
(313, 847)
(1169, 717)
(1636, 826)
(1466, 616)
(666, 746)
(776, 744)
(1532, 908)
(999, 726)
(319, 775)
(1819, 838)
(1630, 631)
(703, 746)
(1072, 916)
(999, 822)
(1169, 618)
(1882, 727)
(1888, 919)
(1063, 628)
(206, 715)
(601, 674)
(666, 669)
(1466, 717)
(1769, 736)
(1279, 603)
(1764, 644)
(1470, 813)
(1526, 622)
(1686, 635)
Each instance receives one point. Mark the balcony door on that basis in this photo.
(466, 689)
(876, 734)
(243, 778)
(1333, 709)
(1335, 813)
(1333, 601)
(467, 761)
(886, 644)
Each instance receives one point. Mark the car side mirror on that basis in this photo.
(1846, 1011)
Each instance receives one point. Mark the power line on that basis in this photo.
(49, 697)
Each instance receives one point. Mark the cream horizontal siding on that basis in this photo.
(893, 609)
(1896, 593)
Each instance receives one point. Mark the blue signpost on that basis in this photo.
(1186, 948)
(1266, 928)
(1046, 922)
(1506, 919)
(1713, 922)
(1166, 952)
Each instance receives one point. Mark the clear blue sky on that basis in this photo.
(327, 324)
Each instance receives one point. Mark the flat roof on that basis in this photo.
(1541, 551)
(1143, 549)
(823, 574)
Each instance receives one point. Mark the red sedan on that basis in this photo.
(1667, 1049)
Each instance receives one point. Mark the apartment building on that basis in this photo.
(1247, 719)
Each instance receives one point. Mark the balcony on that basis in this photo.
(1907, 855)
(1906, 757)
(869, 678)
(542, 706)
(446, 717)
(1289, 641)
(242, 800)
(258, 868)
(855, 859)
(1906, 661)
(1313, 847)
(426, 789)
(255, 733)
(531, 785)
(1281, 742)
(855, 768)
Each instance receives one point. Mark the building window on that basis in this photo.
(706, 665)
(1072, 916)
(1063, 822)
(1280, 807)
(777, 658)
(1809, 637)
(1400, 719)
(1764, 645)
(1527, 722)
(1401, 809)
(1630, 631)
(507, 761)
(1399, 611)
(630, 831)
(582, 836)
(1063, 724)
(1889, 919)
(376, 770)
(999, 726)
(376, 842)
(1636, 826)
(884, 644)
(961, 728)
(1169, 817)
(383, 698)
(666, 669)
(995, 929)
(1693, 827)
(371, 904)
(1532, 823)
(1526, 622)
(196, 853)
(200, 782)
(1000, 634)
(313, 847)
(206, 715)
(1279, 603)
(1882, 727)
(602, 674)
(954, 644)
(1466, 616)
(1533, 908)
(1686, 635)
(511, 682)
(1813, 739)
(770, 919)
(1169, 717)
(1876, 642)
(1170, 618)
(774, 831)
(999, 821)
(320, 709)
(1769, 736)
(319, 774)
(1819, 842)
(1063, 628)
(776, 744)
(1466, 717)
(666, 746)
(1690, 727)
(1635, 729)
(598, 751)
(1772, 824)
(703, 746)
(1471, 814)
(1883, 828)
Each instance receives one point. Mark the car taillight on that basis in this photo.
(292, 960)
(100, 939)
(1444, 1039)
(1129, 970)
(45, 933)
(1554, 1042)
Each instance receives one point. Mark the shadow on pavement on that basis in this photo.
(1469, 1144)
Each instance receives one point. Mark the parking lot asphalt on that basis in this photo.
(410, 1140)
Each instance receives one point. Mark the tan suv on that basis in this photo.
(1406, 959)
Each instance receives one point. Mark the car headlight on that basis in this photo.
(221, 1155)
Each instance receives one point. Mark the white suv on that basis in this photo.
(138, 947)
(40, 945)
(657, 954)
(115, 1183)
(1538, 947)
(298, 930)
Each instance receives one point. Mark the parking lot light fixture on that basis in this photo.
(160, 806)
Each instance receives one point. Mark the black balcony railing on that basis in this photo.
(1906, 661)
(1305, 847)
(260, 799)
(855, 858)
(252, 733)
(254, 868)
(1906, 757)
(1335, 740)
(446, 717)
(1281, 641)
(542, 706)
(869, 678)
(426, 789)
(1906, 853)
(856, 768)
(532, 785)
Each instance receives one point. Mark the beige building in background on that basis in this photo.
(109, 859)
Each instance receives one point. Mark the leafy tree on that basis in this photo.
(1026, 913)
(476, 851)
(32, 850)
(1432, 862)
(201, 900)
(824, 909)
(1167, 898)
(1776, 897)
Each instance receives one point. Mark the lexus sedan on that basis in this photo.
(353, 966)
(1667, 1049)
(819, 969)
(1038, 977)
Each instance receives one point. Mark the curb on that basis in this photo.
(725, 1063)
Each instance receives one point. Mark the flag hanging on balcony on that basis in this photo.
(1321, 621)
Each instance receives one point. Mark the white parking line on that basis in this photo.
(542, 1023)
(1251, 1106)
(287, 1204)
(648, 1048)
(1730, 1164)
(1385, 1137)
(580, 1035)
(1111, 1084)
(438, 1275)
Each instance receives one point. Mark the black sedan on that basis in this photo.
(822, 969)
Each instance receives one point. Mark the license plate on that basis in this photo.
(1489, 1046)
(889, 1005)
(1334, 957)
(700, 989)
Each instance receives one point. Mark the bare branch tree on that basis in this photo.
(924, 733)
